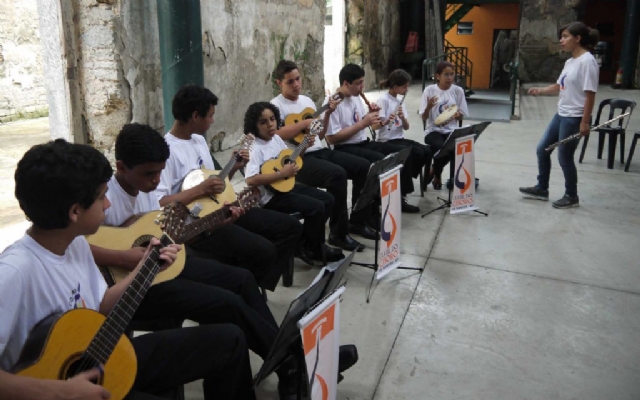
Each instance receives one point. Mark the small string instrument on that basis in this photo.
(65, 344)
(288, 156)
(197, 176)
(308, 113)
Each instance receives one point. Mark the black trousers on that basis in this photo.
(314, 205)
(376, 151)
(261, 241)
(209, 292)
(330, 170)
(215, 353)
(421, 154)
(436, 140)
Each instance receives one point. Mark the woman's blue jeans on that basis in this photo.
(559, 128)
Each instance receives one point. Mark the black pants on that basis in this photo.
(209, 292)
(421, 154)
(436, 140)
(315, 207)
(261, 241)
(376, 151)
(330, 170)
(215, 353)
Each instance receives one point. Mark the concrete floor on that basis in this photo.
(528, 303)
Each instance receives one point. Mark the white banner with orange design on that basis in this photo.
(464, 179)
(320, 331)
(390, 226)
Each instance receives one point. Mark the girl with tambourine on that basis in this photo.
(443, 104)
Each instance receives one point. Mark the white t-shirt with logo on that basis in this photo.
(262, 151)
(35, 283)
(124, 206)
(388, 105)
(578, 75)
(287, 107)
(350, 111)
(186, 155)
(446, 98)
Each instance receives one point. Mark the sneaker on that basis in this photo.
(535, 193)
(567, 202)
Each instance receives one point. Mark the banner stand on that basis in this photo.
(369, 194)
(448, 150)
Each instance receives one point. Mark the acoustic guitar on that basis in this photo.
(197, 176)
(308, 113)
(146, 227)
(66, 344)
(288, 156)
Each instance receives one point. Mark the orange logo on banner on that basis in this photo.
(462, 149)
(324, 323)
(389, 185)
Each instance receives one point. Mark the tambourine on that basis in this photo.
(446, 116)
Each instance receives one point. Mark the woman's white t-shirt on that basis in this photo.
(262, 151)
(446, 98)
(578, 75)
(388, 105)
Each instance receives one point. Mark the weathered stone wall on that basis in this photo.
(373, 37)
(22, 89)
(243, 40)
(539, 55)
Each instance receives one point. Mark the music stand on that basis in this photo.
(370, 192)
(448, 150)
(288, 341)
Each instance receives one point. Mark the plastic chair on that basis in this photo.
(612, 131)
(636, 136)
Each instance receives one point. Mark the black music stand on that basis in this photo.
(369, 194)
(448, 150)
(288, 341)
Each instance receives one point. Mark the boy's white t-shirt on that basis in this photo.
(186, 155)
(578, 75)
(35, 283)
(388, 105)
(287, 107)
(350, 111)
(446, 98)
(262, 151)
(124, 206)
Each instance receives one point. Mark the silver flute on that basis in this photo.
(396, 111)
(577, 135)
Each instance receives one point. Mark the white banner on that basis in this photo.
(390, 226)
(320, 331)
(464, 179)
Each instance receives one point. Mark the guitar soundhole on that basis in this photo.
(142, 241)
(79, 363)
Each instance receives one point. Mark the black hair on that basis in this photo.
(442, 65)
(284, 67)
(350, 73)
(192, 98)
(52, 177)
(253, 114)
(399, 77)
(139, 144)
(588, 36)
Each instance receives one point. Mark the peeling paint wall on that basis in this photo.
(22, 87)
(539, 49)
(373, 37)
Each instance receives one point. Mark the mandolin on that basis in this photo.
(288, 156)
(308, 113)
(197, 176)
(66, 344)
(145, 227)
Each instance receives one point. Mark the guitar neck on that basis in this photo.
(206, 223)
(227, 168)
(114, 326)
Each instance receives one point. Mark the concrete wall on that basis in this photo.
(334, 47)
(540, 57)
(373, 37)
(22, 89)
